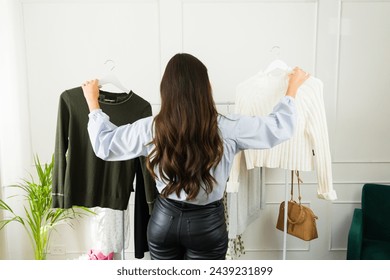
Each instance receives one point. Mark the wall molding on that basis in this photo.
(334, 183)
(84, 1)
(249, 1)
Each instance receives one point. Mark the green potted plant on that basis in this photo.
(39, 217)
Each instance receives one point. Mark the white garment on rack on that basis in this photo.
(107, 230)
(244, 206)
(307, 150)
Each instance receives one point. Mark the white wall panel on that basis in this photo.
(361, 173)
(342, 212)
(234, 38)
(362, 127)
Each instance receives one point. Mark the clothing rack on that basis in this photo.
(285, 214)
(286, 199)
(123, 235)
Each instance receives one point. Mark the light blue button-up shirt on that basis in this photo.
(112, 143)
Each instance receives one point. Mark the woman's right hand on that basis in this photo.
(296, 78)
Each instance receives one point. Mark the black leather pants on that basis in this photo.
(179, 230)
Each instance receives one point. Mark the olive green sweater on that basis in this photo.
(79, 177)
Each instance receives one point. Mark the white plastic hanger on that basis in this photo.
(110, 78)
(277, 65)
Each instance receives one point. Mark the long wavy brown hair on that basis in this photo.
(187, 141)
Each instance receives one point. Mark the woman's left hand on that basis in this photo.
(91, 94)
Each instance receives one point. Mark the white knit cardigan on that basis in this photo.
(307, 150)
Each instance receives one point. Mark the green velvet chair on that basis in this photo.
(369, 234)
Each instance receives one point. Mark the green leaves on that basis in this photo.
(39, 218)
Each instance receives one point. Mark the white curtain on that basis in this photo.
(15, 143)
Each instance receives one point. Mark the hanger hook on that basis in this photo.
(275, 50)
(112, 62)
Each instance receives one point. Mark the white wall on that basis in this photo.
(15, 134)
(344, 43)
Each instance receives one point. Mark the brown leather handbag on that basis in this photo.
(301, 221)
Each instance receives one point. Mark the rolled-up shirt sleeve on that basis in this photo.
(264, 132)
(112, 143)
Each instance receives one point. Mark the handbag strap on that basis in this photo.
(292, 186)
(301, 216)
(299, 185)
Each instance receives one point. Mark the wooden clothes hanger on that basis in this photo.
(111, 78)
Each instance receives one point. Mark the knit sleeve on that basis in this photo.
(151, 191)
(60, 150)
(318, 132)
